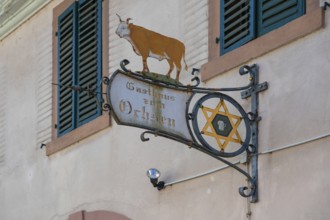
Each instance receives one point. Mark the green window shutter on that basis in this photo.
(79, 64)
(89, 60)
(237, 19)
(275, 13)
(66, 69)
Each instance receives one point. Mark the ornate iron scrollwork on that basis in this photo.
(218, 125)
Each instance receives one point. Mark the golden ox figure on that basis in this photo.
(147, 43)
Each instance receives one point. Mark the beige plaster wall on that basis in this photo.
(107, 170)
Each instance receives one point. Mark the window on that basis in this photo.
(267, 32)
(79, 64)
(80, 59)
(242, 21)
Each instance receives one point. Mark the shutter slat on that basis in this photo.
(66, 37)
(91, 71)
(87, 5)
(66, 56)
(91, 46)
(88, 111)
(68, 31)
(87, 42)
(89, 65)
(88, 81)
(236, 15)
(65, 44)
(236, 23)
(66, 99)
(237, 7)
(67, 127)
(87, 55)
(66, 24)
(65, 94)
(88, 106)
(236, 38)
(88, 35)
(66, 124)
(66, 113)
(88, 102)
(89, 19)
(273, 14)
(279, 17)
(67, 74)
(237, 31)
(65, 63)
(269, 12)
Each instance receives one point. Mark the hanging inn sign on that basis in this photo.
(205, 119)
(202, 118)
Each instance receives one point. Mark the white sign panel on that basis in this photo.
(144, 105)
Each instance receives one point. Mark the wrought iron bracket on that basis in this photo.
(252, 151)
(221, 123)
(257, 88)
(91, 91)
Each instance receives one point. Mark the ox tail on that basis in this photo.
(184, 60)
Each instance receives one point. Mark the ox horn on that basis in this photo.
(128, 19)
(119, 18)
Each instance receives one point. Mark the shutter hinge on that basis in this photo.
(56, 33)
(217, 40)
(55, 126)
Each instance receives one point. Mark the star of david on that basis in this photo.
(220, 116)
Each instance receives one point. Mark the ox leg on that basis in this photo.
(177, 74)
(145, 65)
(178, 70)
(170, 62)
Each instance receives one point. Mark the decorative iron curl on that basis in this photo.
(123, 65)
(143, 138)
(252, 117)
(106, 80)
(251, 149)
(247, 69)
(245, 191)
(106, 107)
(197, 80)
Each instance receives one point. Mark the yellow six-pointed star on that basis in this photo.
(221, 125)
